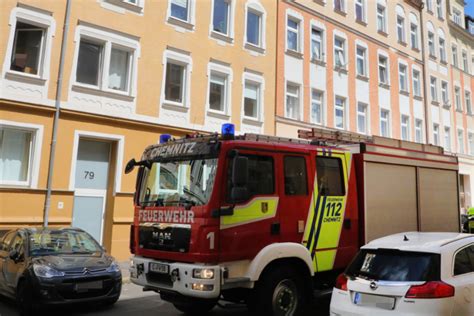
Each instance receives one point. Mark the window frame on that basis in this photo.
(227, 73)
(190, 19)
(247, 78)
(405, 124)
(457, 98)
(434, 89)
(387, 122)
(444, 92)
(447, 139)
(321, 43)
(401, 31)
(257, 9)
(297, 31)
(436, 139)
(442, 49)
(419, 131)
(321, 105)
(341, 173)
(362, 5)
(305, 163)
(431, 44)
(365, 116)
(470, 142)
(381, 17)
(341, 51)
(185, 61)
(297, 95)
(403, 77)
(230, 21)
(341, 107)
(454, 261)
(386, 77)
(468, 101)
(460, 140)
(414, 42)
(34, 158)
(454, 55)
(363, 58)
(417, 78)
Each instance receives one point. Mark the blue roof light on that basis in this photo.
(164, 138)
(228, 130)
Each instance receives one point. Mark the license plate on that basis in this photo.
(159, 267)
(383, 302)
(95, 285)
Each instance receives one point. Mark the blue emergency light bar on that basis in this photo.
(164, 138)
(228, 131)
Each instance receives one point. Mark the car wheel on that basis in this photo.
(281, 291)
(24, 299)
(195, 307)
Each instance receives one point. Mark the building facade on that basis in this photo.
(132, 70)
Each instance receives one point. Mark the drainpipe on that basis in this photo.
(425, 75)
(59, 85)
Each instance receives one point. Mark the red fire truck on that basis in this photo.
(266, 220)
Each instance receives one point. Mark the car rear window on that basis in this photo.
(395, 265)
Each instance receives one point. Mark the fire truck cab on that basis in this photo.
(265, 220)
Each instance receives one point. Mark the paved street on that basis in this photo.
(134, 301)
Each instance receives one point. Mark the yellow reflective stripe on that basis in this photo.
(257, 209)
(325, 259)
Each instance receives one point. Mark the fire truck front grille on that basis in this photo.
(165, 237)
(159, 278)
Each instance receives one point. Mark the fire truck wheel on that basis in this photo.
(195, 307)
(280, 292)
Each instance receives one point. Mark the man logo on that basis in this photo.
(373, 286)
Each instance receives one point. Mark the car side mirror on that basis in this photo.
(14, 255)
(130, 166)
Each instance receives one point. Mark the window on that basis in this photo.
(221, 16)
(384, 123)
(362, 118)
(339, 5)
(439, 8)
(339, 113)
(471, 143)
(292, 101)
(296, 182)
(418, 131)
(28, 48)
(292, 35)
(429, 5)
(405, 124)
(464, 261)
(457, 17)
(414, 35)
(447, 139)
(261, 175)
(464, 61)
(16, 153)
(175, 82)
(433, 89)
(317, 107)
(254, 28)
(401, 29)
(218, 92)
(252, 99)
(454, 51)
(416, 83)
(457, 98)
(316, 44)
(330, 176)
(381, 19)
(467, 97)
(339, 54)
(444, 92)
(95, 56)
(436, 134)
(180, 9)
(383, 74)
(360, 10)
(460, 141)
(431, 45)
(361, 56)
(442, 50)
(402, 74)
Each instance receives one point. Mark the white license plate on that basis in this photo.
(383, 302)
(159, 267)
(95, 285)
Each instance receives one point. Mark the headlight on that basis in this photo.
(44, 271)
(114, 267)
(203, 273)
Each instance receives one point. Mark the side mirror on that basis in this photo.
(130, 166)
(240, 172)
(13, 255)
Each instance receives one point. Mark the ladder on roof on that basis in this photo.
(319, 136)
(271, 139)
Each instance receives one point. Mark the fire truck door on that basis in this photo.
(326, 212)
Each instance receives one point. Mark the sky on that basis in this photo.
(469, 8)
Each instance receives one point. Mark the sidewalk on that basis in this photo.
(124, 265)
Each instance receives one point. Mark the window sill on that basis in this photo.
(174, 106)
(362, 77)
(383, 33)
(444, 62)
(181, 23)
(218, 114)
(418, 97)
(319, 62)
(126, 5)
(24, 77)
(255, 48)
(77, 87)
(341, 69)
(459, 111)
(294, 53)
(434, 102)
(403, 43)
(361, 22)
(321, 2)
(405, 92)
(252, 121)
(433, 57)
(415, 49)
(222, 37)
(384, 85)
(340, 12)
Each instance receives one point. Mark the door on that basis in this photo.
(4, 255)
(12, 269)
(463, 280)
(91, 177)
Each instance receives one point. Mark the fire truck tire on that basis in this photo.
(280, 291)
(195, 307)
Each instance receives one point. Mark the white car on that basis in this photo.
(409, 274)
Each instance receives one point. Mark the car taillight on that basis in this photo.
(341, 282)
(132, 239)
(433, 289)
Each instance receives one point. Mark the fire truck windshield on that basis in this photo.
(178, 183)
